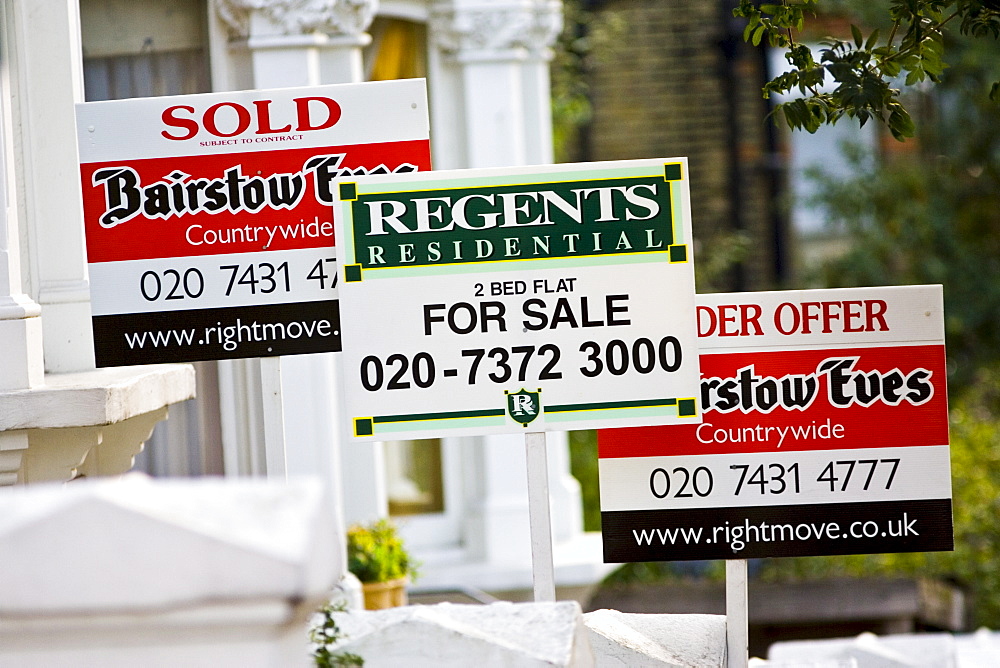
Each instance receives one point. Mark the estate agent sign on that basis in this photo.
(512, 300)
(825, 432)
(208, 219)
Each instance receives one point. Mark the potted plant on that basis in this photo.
(376, 555)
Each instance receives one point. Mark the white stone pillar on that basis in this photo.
(490, 62)
(300, 42)
(493, 58)
(52, 426)
(20, 321)
(49, 82)
(295, 43)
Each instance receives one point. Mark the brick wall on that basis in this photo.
(666, 89)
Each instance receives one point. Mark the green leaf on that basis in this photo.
(915, 75)
(900, 123)
(891, 68)
(872, 40)
(858, 39)
(757, 35)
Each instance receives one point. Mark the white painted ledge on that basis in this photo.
(99, 397)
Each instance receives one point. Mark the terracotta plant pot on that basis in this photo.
(381, 595)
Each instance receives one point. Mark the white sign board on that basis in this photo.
(825, 431)
(505, 300)
(208, 220)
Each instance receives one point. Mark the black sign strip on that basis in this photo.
(217, 333)
(777, 531)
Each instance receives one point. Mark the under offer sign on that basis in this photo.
(825, 431)
(208, 219)
(506, 300)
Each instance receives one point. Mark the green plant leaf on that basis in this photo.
(872, 40)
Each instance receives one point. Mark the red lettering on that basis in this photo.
(302, 113)
(850, 315)
(831, 311)
(242, 115)
(778, 318)
(807, 316)
(726, 320)
(723, 319)
(875, 309)
(710, 314)
(264, 119)
(169, 117)
(750, 315)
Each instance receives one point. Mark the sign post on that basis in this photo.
(518, 300)
(209, 233)
(737, 617)
(825, 431)
(540, 517)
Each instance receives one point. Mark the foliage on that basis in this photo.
(975, 447)
(716, 258)
(864, 68)
(583, 466)
(933, 216)
(324, 635)
(375, 553)
(586, 35)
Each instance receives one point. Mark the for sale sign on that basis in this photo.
(825, 431)
(208, 217)
(506, 300)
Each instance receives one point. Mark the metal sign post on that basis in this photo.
(539, 517)
(274, 417)
(737, 619)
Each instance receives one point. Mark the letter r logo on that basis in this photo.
(523, 406)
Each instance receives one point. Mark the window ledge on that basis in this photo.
(98, 397)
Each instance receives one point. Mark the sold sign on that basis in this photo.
(208, 217)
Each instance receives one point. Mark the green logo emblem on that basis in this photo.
(523, 406)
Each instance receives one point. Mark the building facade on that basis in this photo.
(462, 503)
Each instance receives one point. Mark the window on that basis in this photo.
(414, 482)
(142, 49)
(398, 50)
